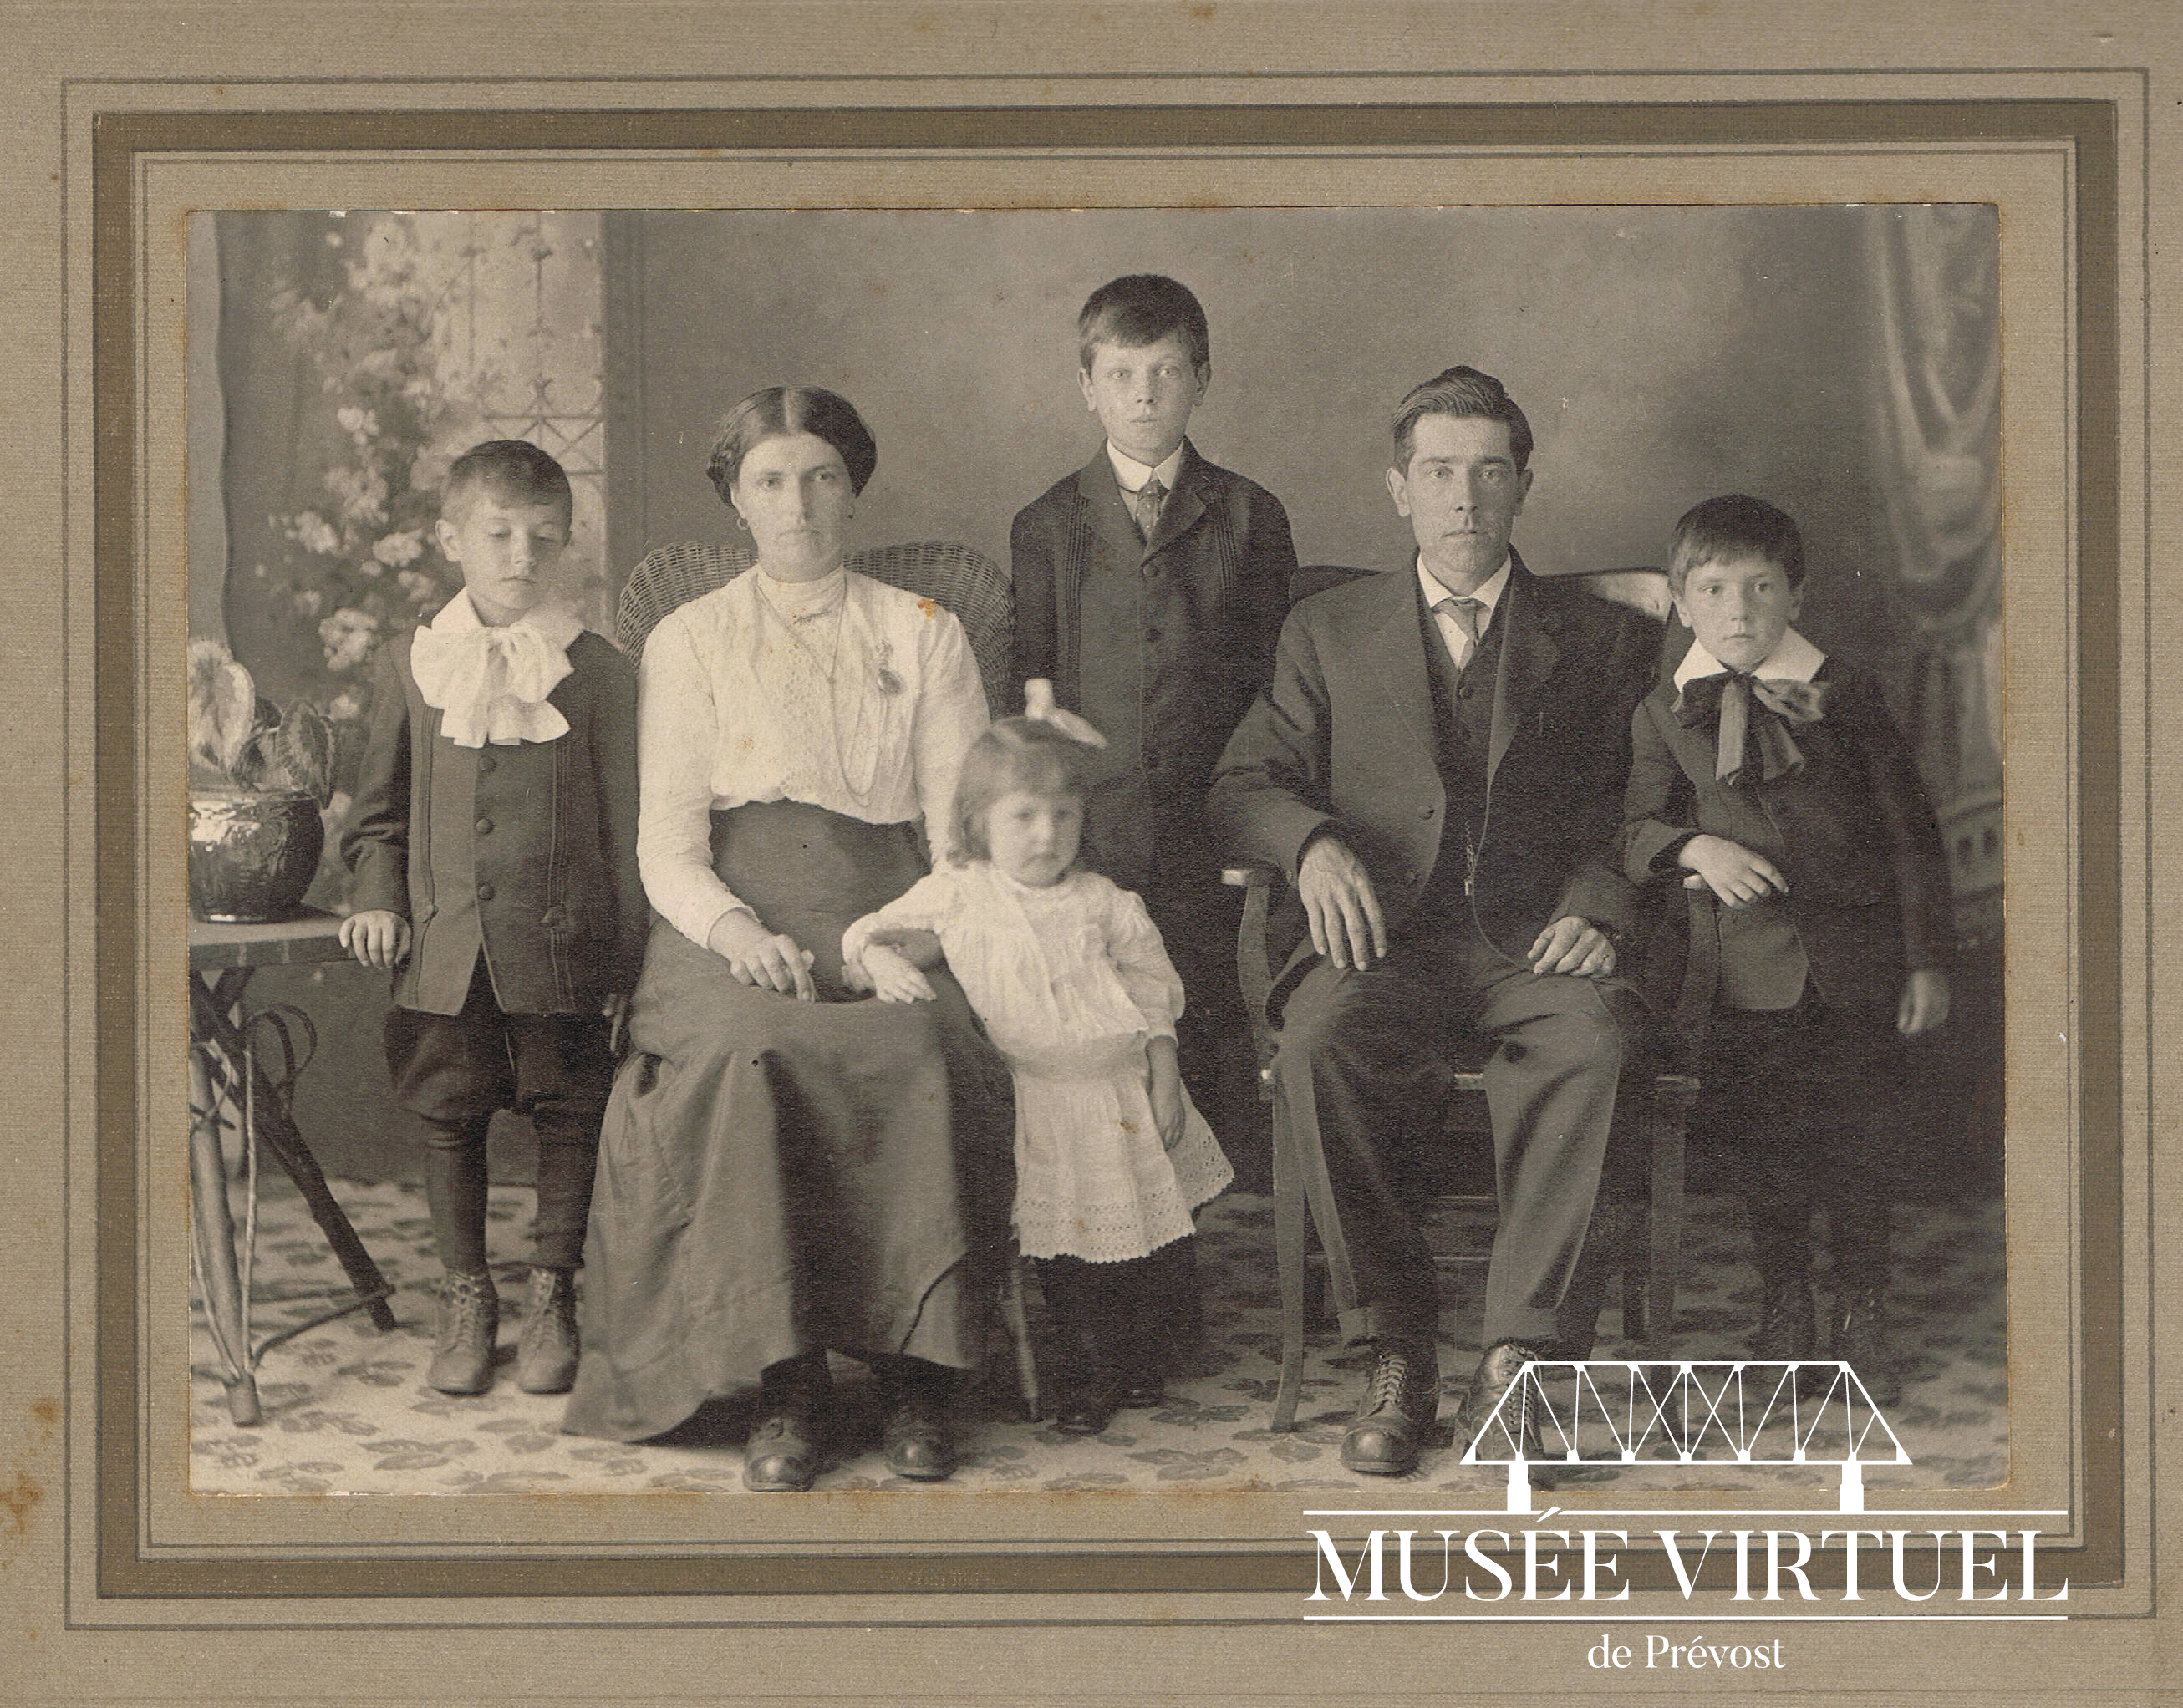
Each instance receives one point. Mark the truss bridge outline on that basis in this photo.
(1744, 1411)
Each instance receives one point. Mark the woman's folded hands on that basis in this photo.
(770, 960)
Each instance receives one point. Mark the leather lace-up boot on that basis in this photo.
(1401, 1398)
(545, 1351)
(470, 1327)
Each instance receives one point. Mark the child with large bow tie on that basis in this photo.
(494, 843)
(1772, 774)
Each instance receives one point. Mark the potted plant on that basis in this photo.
(258, 780)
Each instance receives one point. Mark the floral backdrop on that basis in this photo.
(361, 353)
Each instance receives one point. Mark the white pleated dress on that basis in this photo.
(1071, 980)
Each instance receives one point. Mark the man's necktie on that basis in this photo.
(1468, 613)
(1145, 505)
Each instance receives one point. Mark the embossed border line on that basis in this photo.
(121, 142)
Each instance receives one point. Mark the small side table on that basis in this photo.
(222, 958)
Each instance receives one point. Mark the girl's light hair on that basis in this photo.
(1026, 753)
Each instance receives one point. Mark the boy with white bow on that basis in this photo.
(494, 844)
(1771, 773)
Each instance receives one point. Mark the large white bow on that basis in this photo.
(491, 684)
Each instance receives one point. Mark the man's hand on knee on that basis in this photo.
(1573, 946)
(1339, 903)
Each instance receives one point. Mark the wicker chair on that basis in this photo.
(964, 580)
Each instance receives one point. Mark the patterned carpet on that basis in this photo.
(346, 1410)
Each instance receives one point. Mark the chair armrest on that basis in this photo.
(1693, 1008)
(1254, 972)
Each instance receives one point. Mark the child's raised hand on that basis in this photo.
(378, 937)
(1165, 1087)
(1732, 871)
(1924, 1003)
(892, 976)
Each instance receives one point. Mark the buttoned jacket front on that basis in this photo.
(1346, 739)
(553, 874)
(1161, 644)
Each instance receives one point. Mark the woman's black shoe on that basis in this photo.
(782, 1454)
(782, 1457)
(916, 1437)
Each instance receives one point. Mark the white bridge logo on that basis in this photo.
(1614, 1411)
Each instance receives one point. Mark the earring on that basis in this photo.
(742, 522)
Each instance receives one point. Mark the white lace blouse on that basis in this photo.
(844, 693)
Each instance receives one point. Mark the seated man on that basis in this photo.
(1438, 766)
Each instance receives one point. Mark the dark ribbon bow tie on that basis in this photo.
(1727, 699)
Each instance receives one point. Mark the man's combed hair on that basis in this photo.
(1141, 308)
(1466, 394)
(1025, 753)
(514, 470)
(1736, 526)
(787, 409)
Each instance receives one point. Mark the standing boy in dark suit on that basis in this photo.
(494, 842)
(1150, 588)
(1773, 775)
(1438, 767)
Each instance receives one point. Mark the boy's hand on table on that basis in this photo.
(1165, 1087)
(1924, 1003)
(892, 976)
(1732, 871)
(378, 937)
(614, 1011)
(770, 960)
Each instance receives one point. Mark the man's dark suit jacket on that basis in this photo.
(1161, 645)
(554, 874)
(1850, 831)
(1347, 737)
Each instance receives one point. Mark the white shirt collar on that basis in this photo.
(1793, 659)
(554, 621)
(1133, 475)
(1486, 592)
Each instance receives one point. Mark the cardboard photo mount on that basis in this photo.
(2062, 154)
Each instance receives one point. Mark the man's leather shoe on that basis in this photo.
(1401, 1397)
(782, 1457)
(916, 1437)
(1496, 1374)
(1090, 1406)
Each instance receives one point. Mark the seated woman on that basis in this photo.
(785, 1168)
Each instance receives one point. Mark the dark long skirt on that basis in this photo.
(778, 1177)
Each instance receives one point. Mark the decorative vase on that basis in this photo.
(252, 855)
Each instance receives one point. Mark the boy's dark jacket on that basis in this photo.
(560, 905)
(1170, 680)
(1850, 831)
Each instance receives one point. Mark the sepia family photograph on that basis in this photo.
(1132, 850)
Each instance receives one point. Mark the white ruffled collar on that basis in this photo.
(1793, 659)
(488, 682)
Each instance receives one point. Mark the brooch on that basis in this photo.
(889, 684)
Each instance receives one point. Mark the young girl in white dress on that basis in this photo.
(1067, 972)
